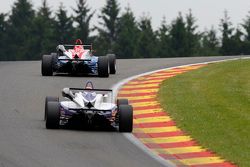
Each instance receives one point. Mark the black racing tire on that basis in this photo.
(48, 99)
(122, 102)
(53, 115)
(53, 54)
(55, 57)
(103, 66)
(125, 118)
(47, 65)
(112, 63)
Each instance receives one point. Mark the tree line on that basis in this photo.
(26, 34)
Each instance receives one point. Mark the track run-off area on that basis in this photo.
(156, 129)
(24, 141)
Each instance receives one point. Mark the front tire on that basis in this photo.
(125, 118)
(47, 65)
(103, 66)
(53, 115)
(48, 99)
(112, 63)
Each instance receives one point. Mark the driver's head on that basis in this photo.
(78, 41)
(89, 85)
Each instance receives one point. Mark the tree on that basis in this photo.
(146, 45)
(3, 36)
(178, 37)
(163, 37)
(44, 31)
(246, 27)
(227, 30)
(18, 30)
(82, 19)
(237, 43)
(210, 43)
(192, 36)
(64, 26)
(127, 33)
(108, 32)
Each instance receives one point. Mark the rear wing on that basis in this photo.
(82, 110)
(70, 92)
(85, 46)
(103, 91)
(107, 92)
(75, 60)
(82, 89)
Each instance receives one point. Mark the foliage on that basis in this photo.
(127, 35)
(227, 31)
(178, 37)
(3, 24)
(44, 31)
(210, 43)
(146, 44)
(163, 40)
(108, 31)
(246, 42)
(192, 36)
(26, 33)
(64, 26)
(18, 31)
(82, 19)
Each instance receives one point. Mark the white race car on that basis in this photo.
(89, 106)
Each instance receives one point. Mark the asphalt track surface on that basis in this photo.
(24, 141)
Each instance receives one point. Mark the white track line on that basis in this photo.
(135, 140)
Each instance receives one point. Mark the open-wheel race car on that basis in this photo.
(89, 107)
(78, 59)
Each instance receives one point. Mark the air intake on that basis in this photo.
(89, 105)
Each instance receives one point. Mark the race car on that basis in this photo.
(89, 106)
(78, 59)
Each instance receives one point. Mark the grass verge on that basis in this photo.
(212, 104)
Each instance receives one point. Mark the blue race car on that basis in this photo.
(89, 107)
(78, 59)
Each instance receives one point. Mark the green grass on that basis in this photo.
(212, 104)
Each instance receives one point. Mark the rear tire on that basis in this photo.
(122, 102)
(112, 63)
(53, 115)
(47, 65)
(55, 57)
(48, 99)
(125, 118)
(103, 66)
